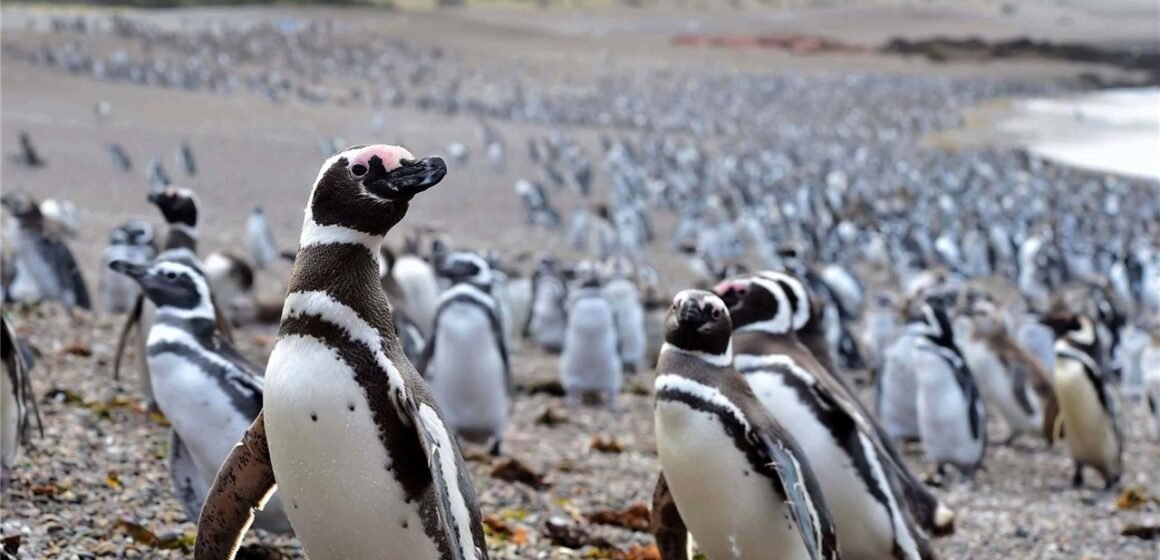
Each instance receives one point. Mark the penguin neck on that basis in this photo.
(197, 324)
(349, 274)
(181, 236)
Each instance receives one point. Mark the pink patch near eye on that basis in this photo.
(391, 155)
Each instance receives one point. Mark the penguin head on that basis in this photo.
(463, 267)
(175, 284)
(178, 205)
(699, 321)
(368, 188)
(803, 305)
(21, 205)
(757, 303)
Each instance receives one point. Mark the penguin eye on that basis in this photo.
(358, 170)
(742, 291)
(171, 275)
(716, 314)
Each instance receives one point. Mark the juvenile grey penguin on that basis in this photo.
(17, 403)
(952, 421)
(349, 433)
(260, 239)
(590, 364)
(133, 241)
(1087, 408)
(548, 318)
(622, 294)
(466, 362)
(207, 390)
(858, 476)
(738, 480)
(44, 266)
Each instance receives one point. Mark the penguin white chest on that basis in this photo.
(10, 409)
(467, 371)
(1088, 428)
(732, 511)
(330, 464)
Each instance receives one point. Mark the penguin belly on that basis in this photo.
(10, 416)
(865, 525)
(416, 280)
(590, 362)
(999, 389)
(466, 373)
(943, 415)
(731, 511)
(897, 397)
(207, 422)
(1150, 364)
(519, 296)
(629, 322)
(1088, 429)
(548, 322)
(330, 464)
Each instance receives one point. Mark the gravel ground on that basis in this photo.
(96, 483)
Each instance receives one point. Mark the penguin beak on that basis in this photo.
(156, 197)
(129, 269)
(691, 313)
(405, 181)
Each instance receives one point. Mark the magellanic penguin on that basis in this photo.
(179, 207)
(739, 480)
(349, 433)
(133, 241)
(1087, 408)
(1008, 376)
(44, 266)
(411, 337)
(952, 420)
(18, 402)
(260, 239)
(466, 359)
(859, 478)
(206, 389)
(419, 288)
(590, 364)
(621, 293)
(549, 317)
(805, 321)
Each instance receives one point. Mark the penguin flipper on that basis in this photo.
(449, 474)
(244, 483)
(816, 529)
(223, 325)
(188, 484)
(133, 319)
(668, 526)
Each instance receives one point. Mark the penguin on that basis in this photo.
(158, 178)
(418, 288)
(17, 402)
(519, 297)
(805, 321)
(207, 390)
(179, 207)
(231, 279)
(1008, 377)
(621, 293)
(349, 433)
(260, 239)
(133, 241)
(858, 477)
(466, 361)
(120, 157)
(590, 363)
(1150, 363)
(896, 386)
(44, 268)
(739, 481)
(185, 159)
(1088, 416)
(952, 421)
(28, 155)
(411, 337)
(548, 319)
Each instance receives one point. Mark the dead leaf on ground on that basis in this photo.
(551, 416)
(478, 456)
(1146, 532)
(551, 387)
(649, 552)
(512, 470)
(610, 445)
(635, 517)
(1132, 497)
(165, 541)
(112, 480)
(503, 531)
(77, 348)
(562, 533)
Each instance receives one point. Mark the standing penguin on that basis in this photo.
(17, 403)
(590, 364)
(1087, 408)
(1009, 377)
(738, 479)
(44, 267)
(260, 239)
(206, 389)
(951, 419)
(858, 477)
(1150, 363)
(548, 318)
(466, 360)
(621, 293)
(133, 241)
(419, 288)
(349, 433)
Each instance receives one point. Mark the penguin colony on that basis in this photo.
(395, 346)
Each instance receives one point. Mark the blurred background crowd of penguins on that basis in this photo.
(953, 301)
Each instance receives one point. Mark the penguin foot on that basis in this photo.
(1111, 482)
(1077, 478)
(495, 450)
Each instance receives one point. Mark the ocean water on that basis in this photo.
(1116, 131)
